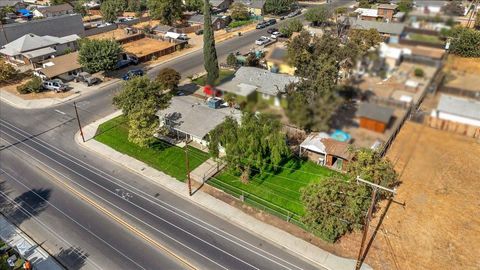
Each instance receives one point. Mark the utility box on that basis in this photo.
(214, 103)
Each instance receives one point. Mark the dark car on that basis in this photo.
(272, 30)
(271, 22)
(132, 73)
(261, 25)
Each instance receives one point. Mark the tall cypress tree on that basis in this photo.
(209, 51)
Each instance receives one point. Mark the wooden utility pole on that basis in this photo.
(187, 166)
(78, 121)
(361, 255)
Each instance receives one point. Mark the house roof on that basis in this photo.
(252, 3)
(194, 117)
(336, 148)
(163, 28)
(200, 19)
(61, 64)
(30, 42)
(370, 12)
(375, 112)
(261, 80)
(314, 143)
(387, 6)
(464, 107)
(382, 27)
(63, 25)
(216, 3)
(40, 52)
(56, 8)
(8, 3)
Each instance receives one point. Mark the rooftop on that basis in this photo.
(382, 27)
(40, 52)
(387, 6)
(336, 148)
(370, 12)
(459, 106)
(252, 3)
(55, 8)
(61, 64)
(194, 117)
(375, 112)
(248, 79)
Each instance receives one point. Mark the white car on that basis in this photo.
(276, 35)
(262, 40)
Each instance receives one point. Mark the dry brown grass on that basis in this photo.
(463, 64)
(146, 46)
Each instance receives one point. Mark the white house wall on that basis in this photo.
(455, 118)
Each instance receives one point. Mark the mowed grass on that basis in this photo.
(281, 188)
(160, 155)
(224, 75)
(426, 38)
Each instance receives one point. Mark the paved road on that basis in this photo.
(38, 156)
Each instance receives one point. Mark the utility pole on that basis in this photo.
(375, 187)
(78, 121)
(187, 166)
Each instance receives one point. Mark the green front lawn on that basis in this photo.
(425, 38)
(224, 75)
(281, 189)
(160, 155)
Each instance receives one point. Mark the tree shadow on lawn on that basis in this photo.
(287, 165)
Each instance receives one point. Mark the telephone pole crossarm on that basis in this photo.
(375, 185)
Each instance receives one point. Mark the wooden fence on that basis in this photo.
(463, 129)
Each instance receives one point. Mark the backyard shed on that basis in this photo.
(323, 150)
(374, 117)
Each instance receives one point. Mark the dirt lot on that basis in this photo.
(469, 65)
(12, 88)
(146, 46)
(114, 34)
(439, 227)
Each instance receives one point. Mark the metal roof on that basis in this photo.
(375, 112)
(459, 106)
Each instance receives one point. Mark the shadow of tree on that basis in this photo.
(72, 258)
(25, 206)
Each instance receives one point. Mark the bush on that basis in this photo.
(7, 71)
(32, 86)
(236, 24)
(418, 72)
(292, 26)
(231, 60)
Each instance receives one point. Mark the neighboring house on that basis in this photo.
(384, 12)
(374, 117)
(63, 67)
(457, 109)
(392, 56)
(162, 29)
(255, 7)
(252, 83)
(16, 5)
(52, 11)
(276, 60)
(220, 5)
(189, 118)
(59, 26)
(392, 31)
(218, 22)
(32, 49)
(323, 150)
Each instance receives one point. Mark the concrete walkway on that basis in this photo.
(29, 250)
(273, 234)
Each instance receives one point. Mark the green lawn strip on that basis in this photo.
(281, 188)
(425, 38)
(160, 155)
(224, 75)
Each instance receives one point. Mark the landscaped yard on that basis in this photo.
(160, 155)
(282, 189)
(224, 75)
(425, 38)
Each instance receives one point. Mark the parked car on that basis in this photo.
(271, 22)
(261, 25)
(132, 73)
(276, 35)
(294, 13)
(86, 78)
(55, 85)
(199, 32)
(126, 59)
(272, 30)
(262, 40)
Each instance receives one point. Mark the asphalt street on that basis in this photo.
(43, 169)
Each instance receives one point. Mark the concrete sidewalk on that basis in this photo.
(216, 206)
(29, 250)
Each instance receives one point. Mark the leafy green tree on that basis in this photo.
(169, 78)
(79, 8)
(341, 10)
(258, 143)
(134, 6)
(290, 27)
(318, 15)
(111, 8)
(209, 51)
(454, 8)
(7, 71)
(167, 11)
(405, 5)
(97, 55)
(465, 42)
(4, 11)
(369, 165)
(194, 5)
(239, 12)
(299, 53)
(232, 60)
(278, 6)
(139, 100)
(334, 207)
(366, 39)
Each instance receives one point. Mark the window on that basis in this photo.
(265, 96)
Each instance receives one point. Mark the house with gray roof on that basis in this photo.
(52, 11)
(255, 7)
(12, 3)
(374, 117)
(58, 26)
(190, 118)
(457, 109)
(218, 22)
(31, 49)
(220, 5)
(253, 83)
(387, 29)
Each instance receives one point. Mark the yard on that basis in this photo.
(224, 75)
(426, 38)
(148, 46)
(277, 190)
(160, 155)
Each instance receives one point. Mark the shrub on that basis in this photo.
(7, 71)
(292, 26)
(32, 86)
(236, 24)
(231, 60)
(418, 72)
